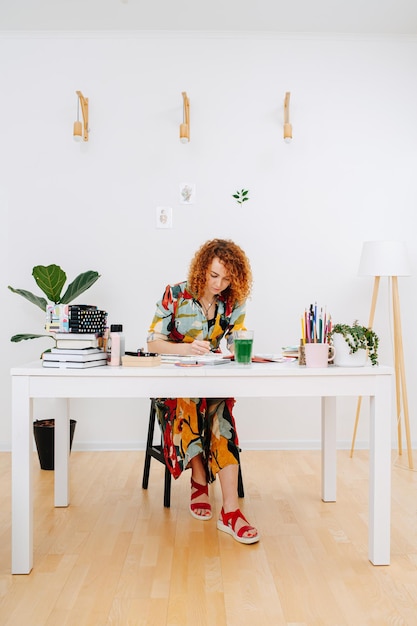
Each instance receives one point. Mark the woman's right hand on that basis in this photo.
(195, 348)
(199, 348)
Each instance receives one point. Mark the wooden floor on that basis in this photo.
(117, 557)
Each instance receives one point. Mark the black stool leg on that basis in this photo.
(156, 452)
(167, 488)
(149, 442)
(240, 490)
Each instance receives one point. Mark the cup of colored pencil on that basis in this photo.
(316, 325)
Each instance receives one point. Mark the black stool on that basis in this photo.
(156, 451)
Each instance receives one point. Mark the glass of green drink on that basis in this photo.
(243, 344)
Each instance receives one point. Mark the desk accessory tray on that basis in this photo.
(141, 361)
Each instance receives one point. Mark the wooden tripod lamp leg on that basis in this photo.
(355, 428)
(371, 323)
(400, 368)
(397, 360)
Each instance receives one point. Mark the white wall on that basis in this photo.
(348, 176)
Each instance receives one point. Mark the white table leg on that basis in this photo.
(380, 475)
(328, 449)
(62, 450)
(22, 481)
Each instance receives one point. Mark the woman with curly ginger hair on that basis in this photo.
(192, 318)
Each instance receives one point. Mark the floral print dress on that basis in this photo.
(192, 426)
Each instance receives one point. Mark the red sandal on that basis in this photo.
(227, 524)
(200, 490)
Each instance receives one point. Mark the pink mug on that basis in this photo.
(318, 354)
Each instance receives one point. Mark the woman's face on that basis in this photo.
(217, 278)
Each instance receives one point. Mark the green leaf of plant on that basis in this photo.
(38, 300)
(23, 337)
(241, 196)
(50, 279)
(79, 285)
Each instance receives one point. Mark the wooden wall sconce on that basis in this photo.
(185, 126)
(81, 129)
(287, 125)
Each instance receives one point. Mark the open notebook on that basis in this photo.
(206, 359)
(221, 359)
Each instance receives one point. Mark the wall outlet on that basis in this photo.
(164, 217)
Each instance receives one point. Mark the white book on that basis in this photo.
(71, 356)
(74, 365)
(75, 351)
(76, 335)
(77, 343)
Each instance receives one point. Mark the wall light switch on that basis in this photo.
(164, 217)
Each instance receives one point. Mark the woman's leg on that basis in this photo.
(190, 432)
(228, 481)
(183, 425)
(199, 476)
(224, 459)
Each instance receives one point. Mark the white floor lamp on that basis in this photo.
(389, 258)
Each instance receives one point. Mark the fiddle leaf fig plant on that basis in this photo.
(51, 280)
(358, 337)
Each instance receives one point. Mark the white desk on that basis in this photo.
(259, 380)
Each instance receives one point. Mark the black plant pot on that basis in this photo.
(44, 433)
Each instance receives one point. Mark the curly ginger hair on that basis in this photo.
(235, 261)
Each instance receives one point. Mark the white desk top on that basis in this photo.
(215, 381)
(231, 369)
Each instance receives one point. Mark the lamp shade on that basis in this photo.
(78, 131)
(184, 133)
(384, 258)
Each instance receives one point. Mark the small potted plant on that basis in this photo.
(353, 344)
(51, 279)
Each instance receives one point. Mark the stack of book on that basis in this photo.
(75, 351)
(290, 351)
